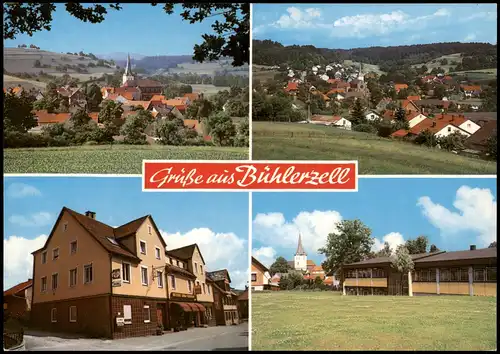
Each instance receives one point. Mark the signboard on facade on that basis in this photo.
(116, 277)
(182, 296)
(120, 321)
(197, 289)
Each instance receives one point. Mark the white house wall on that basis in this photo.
(416, 120)
(450, 129)
(469, 126)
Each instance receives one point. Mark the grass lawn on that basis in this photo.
(287, 320)
(292, 141)
(116, 159)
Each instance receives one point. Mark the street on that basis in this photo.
(211, 338)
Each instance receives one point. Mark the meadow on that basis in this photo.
(292, 141)
(115, 159)
(299, 320)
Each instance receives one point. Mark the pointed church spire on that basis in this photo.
(300, 249)
(128, 68)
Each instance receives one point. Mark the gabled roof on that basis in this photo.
(439, 122)
(482, 253)
(185, 253)
(243, 296)
(43, 117)
(218, 275)
(385, 260)
(260, 265)
(179, 270)
(19, 287)
(483, 134)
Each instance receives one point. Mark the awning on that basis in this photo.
(184, 306)
(200, 307)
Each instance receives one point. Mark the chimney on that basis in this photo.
(90, 214)
(472, 247)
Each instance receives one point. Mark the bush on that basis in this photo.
(365, 128)
(384, 130)
(13, 139)
(90, 143)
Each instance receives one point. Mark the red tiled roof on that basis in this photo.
(292, 86)
(471, 87)
(192, 96)
(158, 98)
(243, 296)
(19, 287)
(413, 98)
(437, 123)
(125, 89)
(44, 117)
(399, 133)
(398, 87)
(336, 90)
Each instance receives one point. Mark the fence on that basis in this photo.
(12, 338)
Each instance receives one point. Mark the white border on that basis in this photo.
(250, 92)
(246, 162)
(250, 237)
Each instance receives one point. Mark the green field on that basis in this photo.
(292, 141)
(116, 159)
(289, 320)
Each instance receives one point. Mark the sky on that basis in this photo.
(217, 222)
(136, 28)
(346, 26)
(453, 213)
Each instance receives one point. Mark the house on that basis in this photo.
(44, 118)
(147, 88)
(341, 122)
(471, 90)
(428, 105)
(116, 97)
(243, 304)
(412, 117)
(17, 300)
(443, 125)
(75, 96)
(399, 87)
(130, 93)
(194, 96)
(114, 282)
(413, 98)
(478, 141)
(409, 106)
(162, 110)
(292, 88)
(383, 104)
(191, 256)
(354, 95)
(261, 279)
(225, 300)
(372, 115)
(472, 272)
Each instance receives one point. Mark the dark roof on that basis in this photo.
(129, 228)
(19, 287)
(478, 116)
(218, 275)
(243, 296)
(482, 253)
(185, 253)
(483, 134)
(178, 270)
(258, 264)
(431, 102)
(380, 260)
(147, 83)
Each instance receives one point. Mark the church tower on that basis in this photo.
(127, 75)
(300, 259)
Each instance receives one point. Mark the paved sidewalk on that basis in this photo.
(211, 338)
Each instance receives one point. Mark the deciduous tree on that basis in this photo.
(17, 112)
(280, 265)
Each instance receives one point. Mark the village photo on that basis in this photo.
(402, 88)
(118, 95)
(96, 264)
(361, 271)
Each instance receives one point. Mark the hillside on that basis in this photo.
(11, 81)
(25, 60)
(476, 55)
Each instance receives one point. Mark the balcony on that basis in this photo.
(229, 307)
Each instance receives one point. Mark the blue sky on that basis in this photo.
(218, 222)
(136, 28)
(364, 25)
(452, 213)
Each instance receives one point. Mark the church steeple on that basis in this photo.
(300, 249)
(128, 75)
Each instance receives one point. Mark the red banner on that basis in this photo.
(250, 175)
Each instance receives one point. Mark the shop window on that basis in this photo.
(127, 314)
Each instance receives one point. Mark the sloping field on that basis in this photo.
(292, 141)
(453, 60)
(11, 81)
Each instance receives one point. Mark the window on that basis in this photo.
(53, 315)
(55, 254)
(190, 287)
(454, 274)
(142, 246)
(160, 279)
(491, 273)
(479, 275)
(72, 277)
(204, 289)
(177, 262)
(196, 268)
(468, 125)
(449, 129)
(149, 230)
(172, 281)
(65, 227)
(54, 281)
(147, 314)
(171, 261)
(73, 247)
(464, 275)
(88, 275)
(126, 272)
(144, 275)
(201, 269)
(127, 314)
(157, 253)
(208, 288)
(254, 277)
(72, 314)
(44, 284)
(44, 257)
(444, 274)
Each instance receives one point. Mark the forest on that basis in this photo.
(475, 56)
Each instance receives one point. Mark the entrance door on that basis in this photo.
(159, 314)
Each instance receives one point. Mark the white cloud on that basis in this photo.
(272, 229)
(37, 219)
(18, 260)
(21, 190)
(477, 213)
(394, 239)
(297, 18)
(265, 255)
(469, 37)
(484, 16)
(219, 250)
